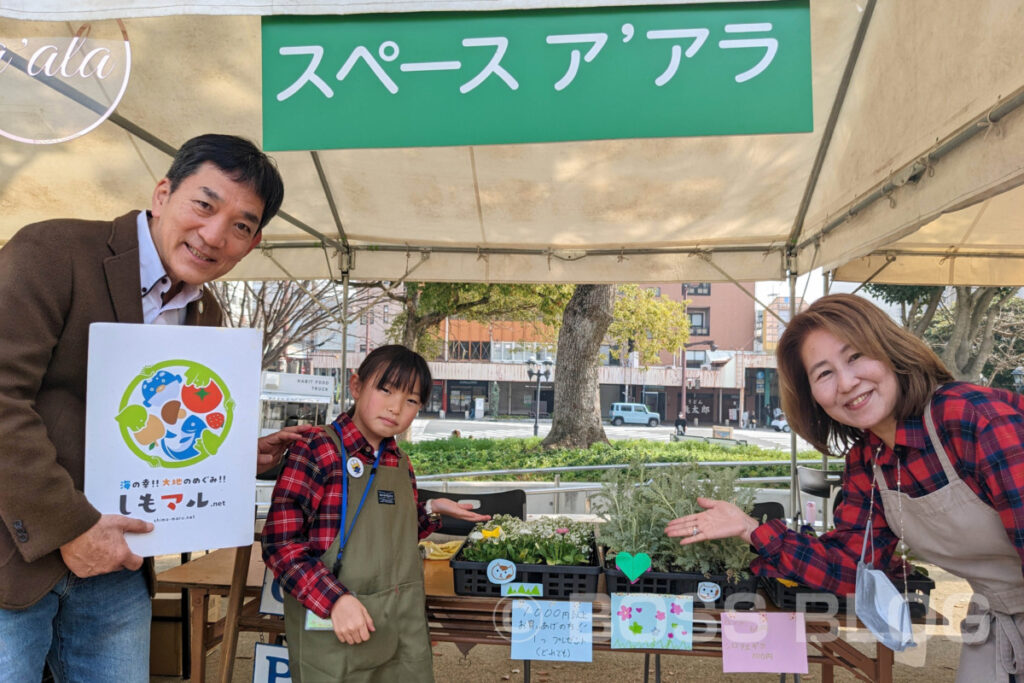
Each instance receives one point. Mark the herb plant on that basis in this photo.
(637, 503)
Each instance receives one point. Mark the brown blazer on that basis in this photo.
(56, 278)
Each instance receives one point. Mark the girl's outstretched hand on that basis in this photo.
(719, 519)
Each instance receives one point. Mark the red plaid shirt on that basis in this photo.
(982, 430)
(305, 513)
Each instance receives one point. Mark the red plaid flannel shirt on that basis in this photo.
(982, 430)
(305, 513)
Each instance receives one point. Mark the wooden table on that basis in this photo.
(214, 574)
(469, 621)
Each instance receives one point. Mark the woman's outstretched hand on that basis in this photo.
(464, 511)
(718, 520)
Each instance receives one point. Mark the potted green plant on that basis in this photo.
(556, 552)
(638, 502)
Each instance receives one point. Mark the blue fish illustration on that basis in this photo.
(182, 445)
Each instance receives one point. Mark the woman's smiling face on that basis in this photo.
(853, 389)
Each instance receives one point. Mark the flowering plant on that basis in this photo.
(548, 540)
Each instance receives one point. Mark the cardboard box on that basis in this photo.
(438, 578)
(165, 640)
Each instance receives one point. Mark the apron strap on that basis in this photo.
(940, 451)
(1009, 643)
(879, 479)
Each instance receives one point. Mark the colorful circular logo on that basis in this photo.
(175, 413)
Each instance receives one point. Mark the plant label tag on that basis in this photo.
(501, 571)
(317, 623)
(708, 591)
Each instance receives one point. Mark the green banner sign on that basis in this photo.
(458, 78)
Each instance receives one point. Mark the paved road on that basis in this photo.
(430, 429)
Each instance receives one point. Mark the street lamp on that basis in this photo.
(538, 368)
(1018, 378)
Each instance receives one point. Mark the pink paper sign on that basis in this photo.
(764, 642)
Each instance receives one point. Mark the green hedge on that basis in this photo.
(464, 455)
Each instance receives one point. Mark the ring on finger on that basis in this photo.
(695, 530)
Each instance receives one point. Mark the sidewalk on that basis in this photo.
(934, 660)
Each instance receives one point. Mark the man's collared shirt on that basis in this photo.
(982, 430)
(156, 282)
(306, 513)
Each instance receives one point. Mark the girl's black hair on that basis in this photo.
(396, 366)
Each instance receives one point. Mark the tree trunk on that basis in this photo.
(410, 332)
(972, 339)
(576, 422)
(921, 313)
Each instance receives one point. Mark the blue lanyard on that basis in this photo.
(344, 535)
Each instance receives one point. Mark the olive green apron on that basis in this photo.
(383, 568)
(959, 532)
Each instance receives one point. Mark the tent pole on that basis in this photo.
(826, 284)
(347, 261)
(794, 489)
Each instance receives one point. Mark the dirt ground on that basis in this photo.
(934, 660)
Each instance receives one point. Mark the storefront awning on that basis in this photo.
(281, 397)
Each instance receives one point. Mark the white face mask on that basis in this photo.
(879, 605)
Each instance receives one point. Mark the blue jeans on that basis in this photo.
(94, 629)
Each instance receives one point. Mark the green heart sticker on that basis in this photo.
(633, 565)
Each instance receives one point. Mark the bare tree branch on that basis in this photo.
(281, 309)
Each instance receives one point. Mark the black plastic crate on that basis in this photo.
(559, 581)
(919, 588)
(685, 583)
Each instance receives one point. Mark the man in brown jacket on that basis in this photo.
(71, 591)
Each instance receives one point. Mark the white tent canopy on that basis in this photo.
(60, 10)
(926, 142)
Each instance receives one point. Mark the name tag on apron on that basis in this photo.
(386, 497)
(317, 623)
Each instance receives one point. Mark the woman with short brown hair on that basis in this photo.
(859, 323)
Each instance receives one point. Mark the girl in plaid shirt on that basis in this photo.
(341, 536)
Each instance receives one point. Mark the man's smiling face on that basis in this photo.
(206, 226)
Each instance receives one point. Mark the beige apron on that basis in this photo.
(957, 531)
(383, 568)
